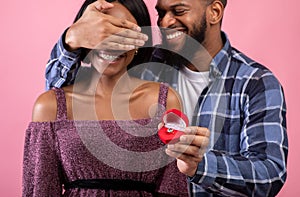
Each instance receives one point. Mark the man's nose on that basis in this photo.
(168, 20)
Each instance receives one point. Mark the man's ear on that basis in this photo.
(215, 12)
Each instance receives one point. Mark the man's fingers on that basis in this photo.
(124, 28)
(193, 151)
(197, 131)
(194, 140)
(123, 23)
(128, 33)
(126, 41)
(183, 156)
(181, 148)
(115, 46)
(130, 41)
(193, 144)
(115, 42)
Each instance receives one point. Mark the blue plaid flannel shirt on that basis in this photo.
(244, 108)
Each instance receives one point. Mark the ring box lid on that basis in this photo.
(175, 123)
(175, 119)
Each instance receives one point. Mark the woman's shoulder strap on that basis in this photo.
(61, 104)
(163, 94)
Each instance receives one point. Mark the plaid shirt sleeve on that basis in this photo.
(62, 66)
(248, 159)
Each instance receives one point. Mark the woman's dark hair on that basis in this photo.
(140, 12)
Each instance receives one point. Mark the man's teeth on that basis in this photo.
(108, 57)
(174, 35)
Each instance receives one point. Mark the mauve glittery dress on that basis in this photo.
(60, 152)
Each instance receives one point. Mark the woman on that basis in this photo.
(98, 136)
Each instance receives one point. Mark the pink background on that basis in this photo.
(265, 30)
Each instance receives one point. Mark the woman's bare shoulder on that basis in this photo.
(45, 107)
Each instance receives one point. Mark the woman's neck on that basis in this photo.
(94, 83)
(113, 85)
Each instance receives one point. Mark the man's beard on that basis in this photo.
(199, 32)
(193, 44)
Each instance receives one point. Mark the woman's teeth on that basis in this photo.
(108, 57)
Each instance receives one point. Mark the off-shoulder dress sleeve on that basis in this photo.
(41, 164)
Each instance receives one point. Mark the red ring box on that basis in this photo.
(175, 123)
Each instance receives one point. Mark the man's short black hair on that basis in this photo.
(224, 2)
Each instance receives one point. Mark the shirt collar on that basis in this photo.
(220, 62)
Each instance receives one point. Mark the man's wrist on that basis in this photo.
(64, 54)
(67, 42)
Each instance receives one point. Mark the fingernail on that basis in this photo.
(137, 28)
(140, 42)
(145, 37)
(182, 138)
(171, 146)
(188, 130)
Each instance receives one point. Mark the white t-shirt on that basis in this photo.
(190, 86)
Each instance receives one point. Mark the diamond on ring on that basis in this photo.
(170, 130)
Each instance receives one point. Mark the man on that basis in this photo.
(235, 103)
